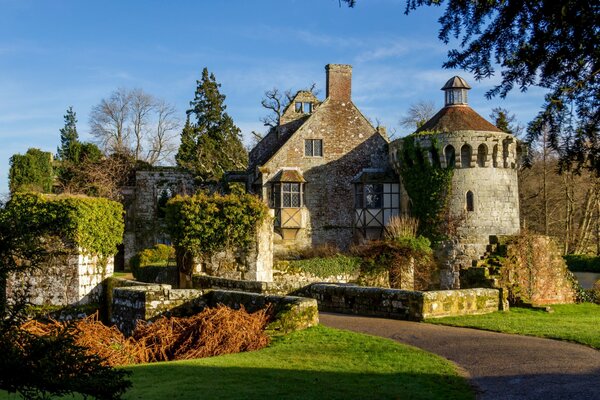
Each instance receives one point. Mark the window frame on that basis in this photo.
(310, 144)
(290, 191)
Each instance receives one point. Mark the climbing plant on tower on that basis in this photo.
(428, 184)
(210, 142)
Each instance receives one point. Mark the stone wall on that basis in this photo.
(253, 263)
(146, 302)
(403, 304)
(133, 303)
(143, 227)
(534, 271)
(350, 144)
(285, 282)
(61, 280)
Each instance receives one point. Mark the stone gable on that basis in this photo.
(347, 144)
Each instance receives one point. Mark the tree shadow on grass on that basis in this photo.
(185, 381)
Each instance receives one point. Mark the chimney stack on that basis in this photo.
(339, 82)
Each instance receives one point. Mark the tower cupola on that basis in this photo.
(456, 91)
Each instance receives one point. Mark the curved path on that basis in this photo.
(500, 366)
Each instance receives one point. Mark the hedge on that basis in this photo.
(92, 225)
(583, 263)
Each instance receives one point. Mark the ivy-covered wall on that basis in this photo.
(78, 237)
(221, 235)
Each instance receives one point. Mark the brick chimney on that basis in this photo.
(339, 82)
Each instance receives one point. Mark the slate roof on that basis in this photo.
(457, 118)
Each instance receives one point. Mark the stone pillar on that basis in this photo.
(259, 257)
(407, 275)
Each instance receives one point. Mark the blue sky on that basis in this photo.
(56, 54)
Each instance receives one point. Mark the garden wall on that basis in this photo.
(146, 301)
(133, 303)
(62, 279)
(403, 304)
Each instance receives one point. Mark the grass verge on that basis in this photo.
(317, 363)
(573, 322)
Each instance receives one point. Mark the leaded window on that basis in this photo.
(287, 195)
(313, 147)
(375, 203)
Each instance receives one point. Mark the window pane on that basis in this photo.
(318, 147)
(373, 196)
(295, 187)
(295, 199)
(358, 195)
(286, 187)
(307, 107)
(298, 107)
(287, 201)
(308, 150)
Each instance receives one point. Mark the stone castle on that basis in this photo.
(330, 177)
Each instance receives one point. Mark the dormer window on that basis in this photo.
(304, 107)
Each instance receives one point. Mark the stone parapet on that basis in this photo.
(134, 303)
(143, 302)
(403, 304)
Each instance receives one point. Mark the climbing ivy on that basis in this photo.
(427, 183)
(204, 224)
(95, 225)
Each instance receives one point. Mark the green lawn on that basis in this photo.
(573, 322)
(317, 363)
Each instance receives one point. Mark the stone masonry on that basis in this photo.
(346, 143)
(62, 280)
(484, 194)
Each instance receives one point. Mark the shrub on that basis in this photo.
(157, 256)
(31, 171)
(582, 263)
(392, 256)
(203, 224)
(325, 250)
(324, 267)
(400, 227)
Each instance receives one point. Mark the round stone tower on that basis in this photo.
(484, 196)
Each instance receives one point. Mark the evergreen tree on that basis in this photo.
(210, 145)
(505, 121)
(31, 172)
(70, 147)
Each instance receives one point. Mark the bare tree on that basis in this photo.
(133, 122)
(162, 143)
(142, 105)
(108, 122)
(418, 113)
(276, 102)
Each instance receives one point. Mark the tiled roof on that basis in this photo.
(457, 118)
(288, 175)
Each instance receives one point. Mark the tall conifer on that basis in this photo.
(210, 142)
(70, 147)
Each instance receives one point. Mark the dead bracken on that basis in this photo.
(212, 332)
